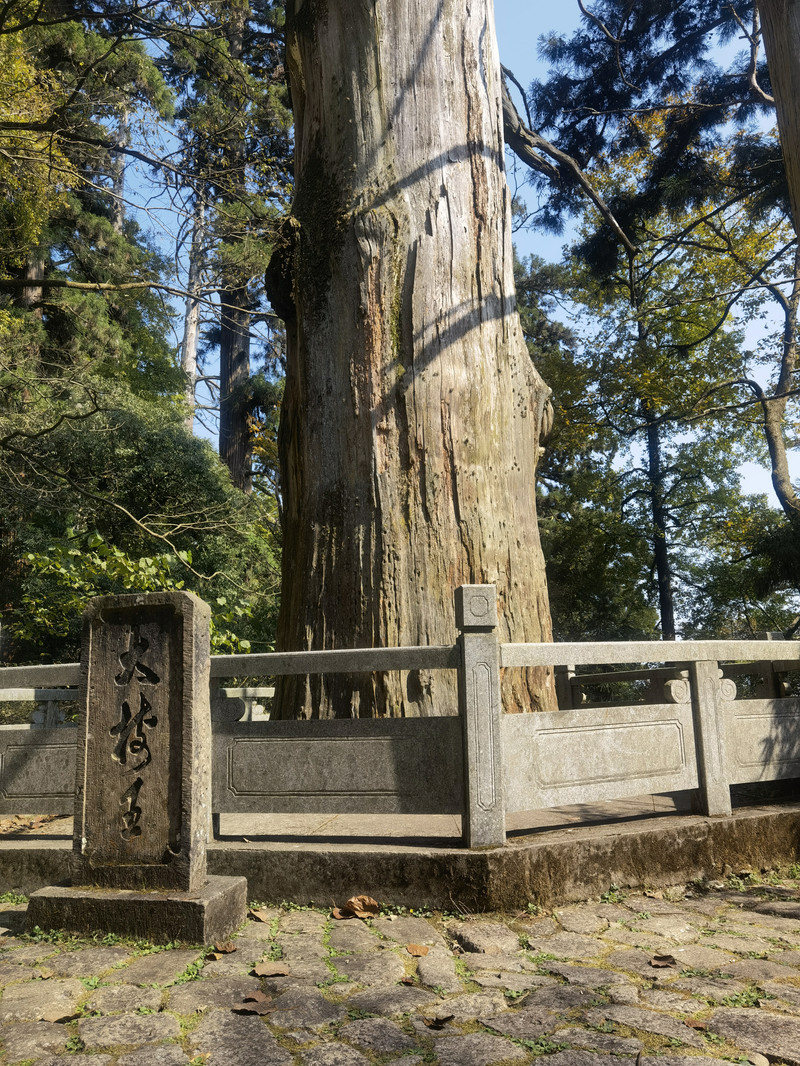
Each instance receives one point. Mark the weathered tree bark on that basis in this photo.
(780, 21)
(411, 418)
(235, 448)
(191, 318)
(658, 515)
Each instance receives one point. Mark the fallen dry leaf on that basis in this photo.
(362, 906)
(225, 947)
(407, 981)
(701, 1026)
(417, 950)
(257, 1003)
(663, 960)
(341, 915)
(260, 916)
(438, 1023)
(271, 969)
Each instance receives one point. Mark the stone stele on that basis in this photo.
(143, 779)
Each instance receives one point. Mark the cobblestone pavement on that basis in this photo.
(708, 974)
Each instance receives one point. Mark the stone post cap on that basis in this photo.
(476, 606)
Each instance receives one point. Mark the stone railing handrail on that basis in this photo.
(448, 656)
(595, 653)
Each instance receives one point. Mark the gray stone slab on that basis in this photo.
(739, 945)
(638, 938)
(581, 920)
(153, 1056)
(333, 1055)
(87, 962)
(628, 994)
(497, 963)
(477, 1049)
(30, 1040)
(663, 999)
(780, 908)
(50, 1001)
(593, 1040)
(391, 1000)
(585, 1058)
(406, 929)
(122, 1030)
(161, 968)
(18, 952)
(111, 999)
(437, 969)
(569, 946)
(489, 938)
(541, 927)
(11, 972)
(379, 1035)
(210, 992)
(302, 946)
(305, 1008)
(75, 1060)
(561, 998)
(511, 982)
(646, 1021)
(711, 989)
(303, 921)
(257, 931)
(237, 1040)
(673, 927)
(759, 970)
(788, 993)
(235, 963)
(212, 912)
(523, 1024)
(301, 971)
(773, 1035)
(384, 969)
(588, 976)
(469, 1006)
(354, 937)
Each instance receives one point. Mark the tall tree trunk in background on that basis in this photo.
(658, 516)
(118, 173)
(234, 376)
(191, 318)
(780, 20)
(234, 346)
(411, 418)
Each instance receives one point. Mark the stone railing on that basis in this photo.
(693, 733)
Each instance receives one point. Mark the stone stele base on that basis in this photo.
(201, 917)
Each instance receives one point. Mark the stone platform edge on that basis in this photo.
(547, 868)
(213, 913)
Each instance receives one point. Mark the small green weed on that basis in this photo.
(750, 997)
(191, 973)
(74, 1044)
(90, 982)
(13, 897)
(542, 1045)
(614, 894)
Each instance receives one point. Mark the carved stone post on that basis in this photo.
(143, 779)
(479, 706)
(709, 731)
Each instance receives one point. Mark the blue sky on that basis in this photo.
(520, 24)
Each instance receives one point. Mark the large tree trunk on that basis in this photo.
(191, 318)
(411, 419)
(780, 20)
(235, 448)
